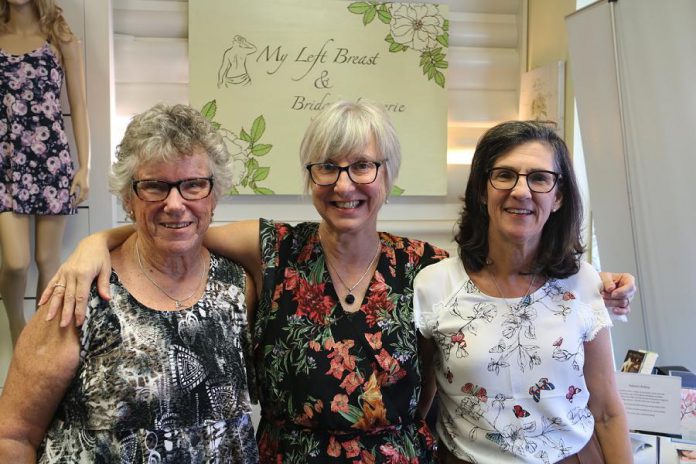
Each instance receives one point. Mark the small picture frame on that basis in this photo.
(633, 361)
(542, 95)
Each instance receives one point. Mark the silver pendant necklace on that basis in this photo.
(524, 298)
(350, 298)
(178, 302)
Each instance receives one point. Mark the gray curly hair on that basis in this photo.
(167, 133)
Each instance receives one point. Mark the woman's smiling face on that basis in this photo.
(174, 225)
(349, 207)
(519, 215)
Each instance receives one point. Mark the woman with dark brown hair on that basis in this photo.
(516, 322)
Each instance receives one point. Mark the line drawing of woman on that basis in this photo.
(233, 68)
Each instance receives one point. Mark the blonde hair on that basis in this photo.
(51, 20)
(346, 127)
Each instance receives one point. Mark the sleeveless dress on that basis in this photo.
(160, 387)
(36, 169)
(338, 387)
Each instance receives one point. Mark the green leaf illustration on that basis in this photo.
(244, 136)
(261, 173)
(383, 14)
(353, 415)
(263, 191)
(359, 7)
(440, 79)
(396, 191)
(258, 128)
(261, 149)
(209, 110)
(252, 165)
(443, 40)
(233, 191)
(445, 25)
(216, 125)
(369, 16)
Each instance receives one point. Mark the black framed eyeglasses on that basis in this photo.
(538, 181)
(195, 188)
(360, 172)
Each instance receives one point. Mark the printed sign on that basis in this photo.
(261, 69)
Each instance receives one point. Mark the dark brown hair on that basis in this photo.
(560, 246)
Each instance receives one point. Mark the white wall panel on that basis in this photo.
(477, 106)
(134, 97)
(151, 18)
(147, 59)
(483, 30)
(483, 68)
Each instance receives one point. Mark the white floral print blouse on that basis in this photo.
(510, 371)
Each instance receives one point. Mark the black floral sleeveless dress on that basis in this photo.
(338, 387)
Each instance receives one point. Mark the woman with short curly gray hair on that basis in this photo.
(162, 134)
(161, 370)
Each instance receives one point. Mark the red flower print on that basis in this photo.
(319, 406)
(415, 250)
(334, 448)
(395, 457)
(352, 448)
(468, 388)
(339, 403)
(336, 369)
(568, 296)
(365, 458)
(458, 338)
(351, 382)
(425, 431)
(558, 342)
(312, 302)
(390, 365)
(375, 340)
(306, 252)
(378, 303)
(314, 345)
(290, 278)
(340, 357)
(282, 230)
(329, 343)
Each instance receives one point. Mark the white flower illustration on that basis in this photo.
(416, 25)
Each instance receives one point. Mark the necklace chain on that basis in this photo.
(177, 301)
(497, 287)
(350, 298)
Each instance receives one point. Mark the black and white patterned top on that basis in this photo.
(160, 386)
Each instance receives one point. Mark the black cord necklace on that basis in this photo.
(350, 298)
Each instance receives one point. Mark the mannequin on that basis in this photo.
(38, 51)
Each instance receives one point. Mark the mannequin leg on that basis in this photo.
(49, 243)
(14, 242)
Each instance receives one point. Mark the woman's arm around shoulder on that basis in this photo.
(69, 287)
(605, 403)
(238, 241)
(44, 363)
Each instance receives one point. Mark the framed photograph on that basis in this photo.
(542, 94)
(633, 361)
